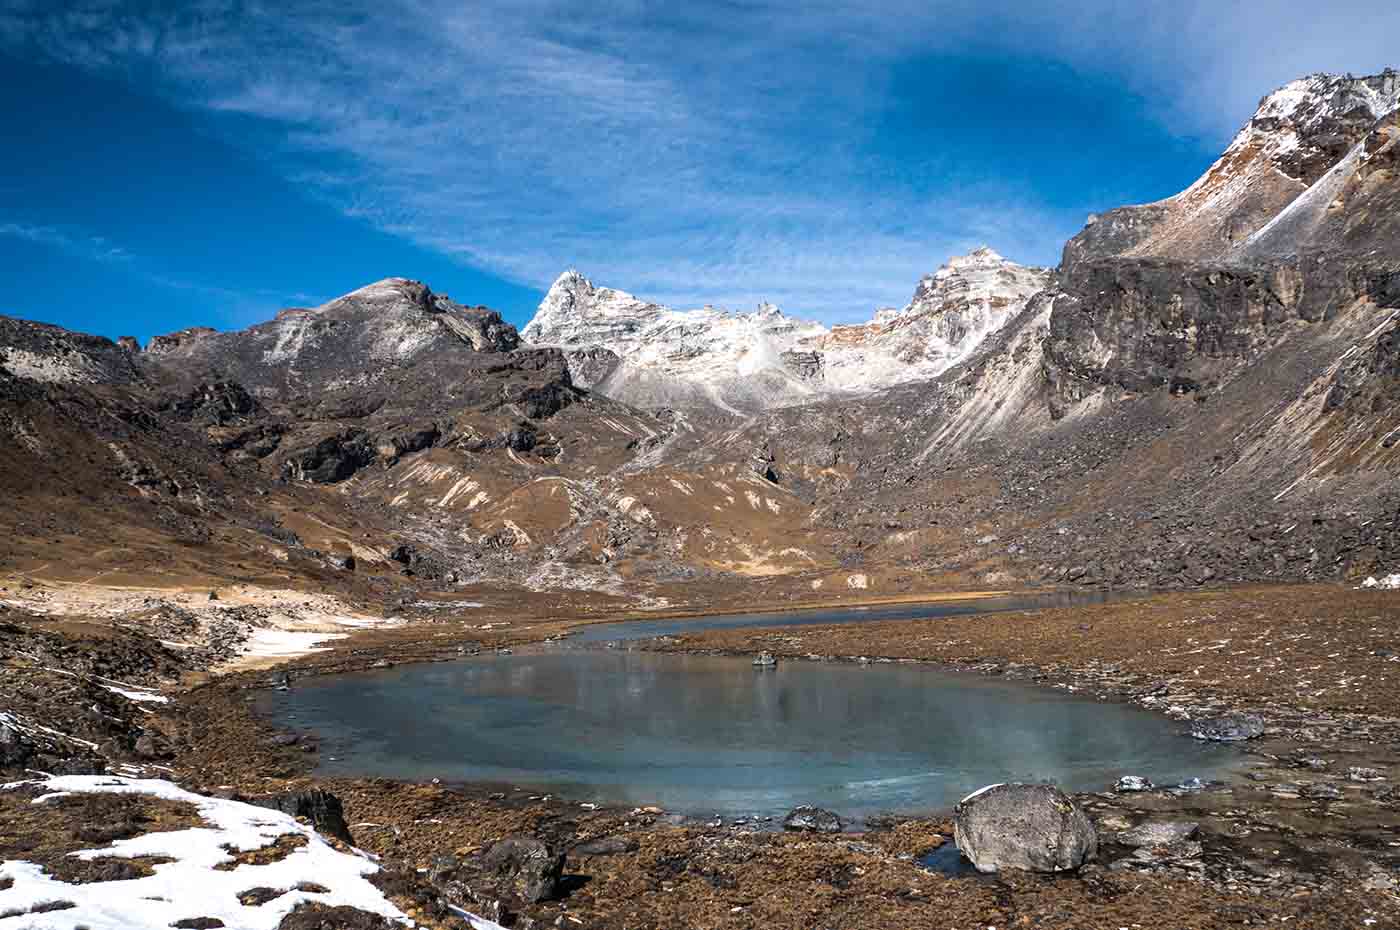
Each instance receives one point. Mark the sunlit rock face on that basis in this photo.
(1299, 140)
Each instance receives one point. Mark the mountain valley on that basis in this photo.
(1187, 432)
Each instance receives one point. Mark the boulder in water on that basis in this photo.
(1033, 827)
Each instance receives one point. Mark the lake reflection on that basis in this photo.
(705, 735)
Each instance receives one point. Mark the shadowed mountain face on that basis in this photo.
(1204, 391)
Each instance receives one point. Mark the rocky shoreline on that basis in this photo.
(1303, 833)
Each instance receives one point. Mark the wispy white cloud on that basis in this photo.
(234, 306)
(74, 242)
(669, 149)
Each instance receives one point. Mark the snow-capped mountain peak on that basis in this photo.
(748, 361)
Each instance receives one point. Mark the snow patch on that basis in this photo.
(279, 644)
(138, 695)
(191, 886)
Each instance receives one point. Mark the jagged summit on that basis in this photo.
(1307, 105)
(649, 354)
(574, 305)
(982, 255)
(355, 338)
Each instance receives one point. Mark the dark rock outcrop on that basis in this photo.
(525, 868)
(332, 458)
(323, 809)
(213, 403)
(53, 355)
(15, 750)
(515, 872)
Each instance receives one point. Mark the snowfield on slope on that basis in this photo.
(192, 885)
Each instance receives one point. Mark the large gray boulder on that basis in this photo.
(1032, 827)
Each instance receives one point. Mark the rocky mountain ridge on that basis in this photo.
(1204, 391)
(1299, 134)
(651, 355)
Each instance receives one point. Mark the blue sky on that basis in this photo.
(211, 162)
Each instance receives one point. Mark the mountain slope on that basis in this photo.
(1299, 134)
(1170, 411)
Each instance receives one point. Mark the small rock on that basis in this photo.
(1159, 834)
(1228, 729)
(1361, 774)
(1378, 879)
(1321, 792)
(812, 820)
(1182, 855)
(605, 846)
(151, 745)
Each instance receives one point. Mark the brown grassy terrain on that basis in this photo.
(1323, 648)
(1270, 856)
